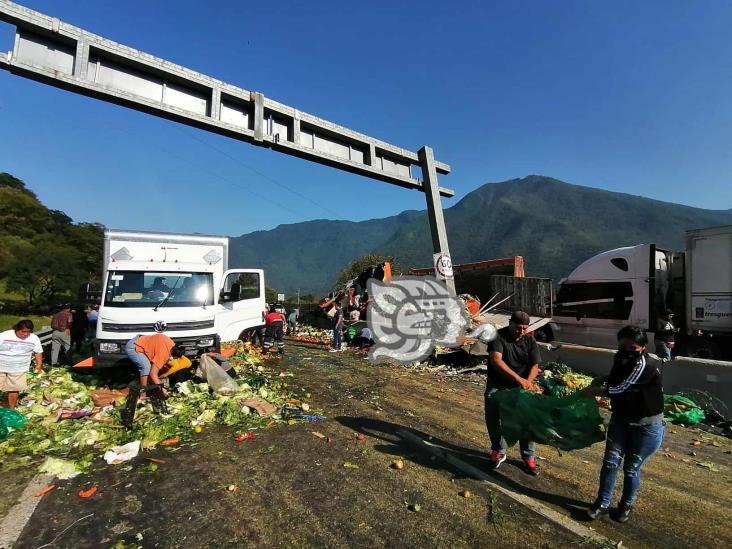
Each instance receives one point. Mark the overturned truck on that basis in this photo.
(500, 287)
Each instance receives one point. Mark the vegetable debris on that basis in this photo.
(70, 446)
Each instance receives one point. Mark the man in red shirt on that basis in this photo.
(61, 336)
(274, 323)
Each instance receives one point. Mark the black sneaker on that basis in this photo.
(624, 512)
(597, 511)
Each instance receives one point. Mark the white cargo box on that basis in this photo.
(709, 279)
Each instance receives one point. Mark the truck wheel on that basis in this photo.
(251, 335)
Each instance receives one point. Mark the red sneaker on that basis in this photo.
(530, 466)
(496, 458)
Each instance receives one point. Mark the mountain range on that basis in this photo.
(554, 225)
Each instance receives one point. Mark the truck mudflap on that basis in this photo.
(111, 353)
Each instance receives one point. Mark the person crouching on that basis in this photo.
(274, 323)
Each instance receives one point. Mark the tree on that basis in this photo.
(57, 269)
(9, 181)
(359, 265)
(88, 239)
(270, 294)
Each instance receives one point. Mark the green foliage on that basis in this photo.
(43, 254)
(52, 270)
(359, 265)
(8, 321)
(270, 294)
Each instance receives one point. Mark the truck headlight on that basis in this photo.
(106, 347)
(205, 342)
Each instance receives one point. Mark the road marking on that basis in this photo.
(496, 484)
(19, 515)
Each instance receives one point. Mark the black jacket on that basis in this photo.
(634, 387)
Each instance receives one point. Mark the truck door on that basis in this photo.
(643, 278)
(240, 302)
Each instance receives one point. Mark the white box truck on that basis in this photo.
(181, 280)
(632, 285)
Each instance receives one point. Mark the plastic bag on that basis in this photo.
(215, 376)
(568, 423)
(681, 410)
(120, 454)
(10, 419)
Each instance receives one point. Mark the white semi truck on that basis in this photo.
(633, 285)
(181, 280)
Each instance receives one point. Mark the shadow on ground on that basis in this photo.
(397, 446)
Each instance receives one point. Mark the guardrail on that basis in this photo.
(44, 334)
(682, 374)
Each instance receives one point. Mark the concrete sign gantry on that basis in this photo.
(53, 52)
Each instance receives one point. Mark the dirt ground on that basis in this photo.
(293, 488)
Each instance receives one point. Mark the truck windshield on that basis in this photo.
(149, 288)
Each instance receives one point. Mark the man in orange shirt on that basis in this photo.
(151, 352)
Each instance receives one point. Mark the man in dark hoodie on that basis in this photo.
(636, 425)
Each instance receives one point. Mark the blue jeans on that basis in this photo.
(337, 337)
(493, 423)
(139, 359)
(663, 350)
(633, 445)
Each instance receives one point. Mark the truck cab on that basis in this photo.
(611, 290)
(181, 280)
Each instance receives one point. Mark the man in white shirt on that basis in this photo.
(17, 346)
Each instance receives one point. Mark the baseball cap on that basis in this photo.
(520, 317)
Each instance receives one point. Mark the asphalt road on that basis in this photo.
(291, 487)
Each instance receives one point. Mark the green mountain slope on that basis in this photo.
(309, 255)
(553, 224)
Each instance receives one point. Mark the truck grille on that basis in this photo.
(170, 326)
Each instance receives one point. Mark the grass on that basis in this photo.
(8, 321)
(7, 295)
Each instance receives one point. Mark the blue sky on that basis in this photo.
(626, 96)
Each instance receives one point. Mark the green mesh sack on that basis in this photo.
(10, 419)
(681, 410)
(568, 423)
(552, 387)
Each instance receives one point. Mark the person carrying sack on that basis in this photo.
(636, 427)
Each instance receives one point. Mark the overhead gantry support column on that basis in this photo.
(431, 190)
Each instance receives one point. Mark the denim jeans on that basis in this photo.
(633, 445)
(139, 359)
(337, 337)
(493, 423)
(663, 350)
